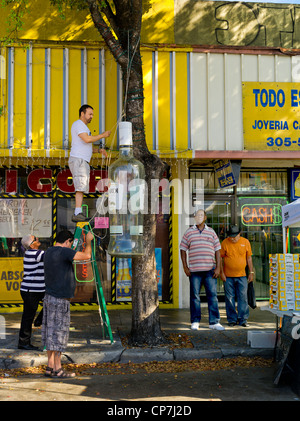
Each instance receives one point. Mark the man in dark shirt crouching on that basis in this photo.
(60, 287)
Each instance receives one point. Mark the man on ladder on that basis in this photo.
(80, 156)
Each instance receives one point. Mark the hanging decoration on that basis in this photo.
(126, 197)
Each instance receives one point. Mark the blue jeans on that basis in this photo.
(236, 288)
(197, 279)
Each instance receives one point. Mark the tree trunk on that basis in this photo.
(126, 23)
(145, 305)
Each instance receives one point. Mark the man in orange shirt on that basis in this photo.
(236, 255)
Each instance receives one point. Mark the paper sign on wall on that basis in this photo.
(101, 222)
(19, 217)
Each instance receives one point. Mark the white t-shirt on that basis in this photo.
(79, 148)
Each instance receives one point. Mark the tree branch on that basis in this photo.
(107, 11)
(106, 33)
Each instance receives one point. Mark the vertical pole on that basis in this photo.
(66, 100)
(11, 85)
(29, 99)
(47, 97)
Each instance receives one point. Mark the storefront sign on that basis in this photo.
(39, 180)
(271, 116)
(261, 214)
(11, 275)
(19, 217)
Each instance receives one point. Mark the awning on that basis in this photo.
(291, 213)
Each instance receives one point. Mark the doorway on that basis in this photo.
(224, 210)
(220, 214)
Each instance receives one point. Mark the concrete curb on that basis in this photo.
(15, 359)
(86, 344)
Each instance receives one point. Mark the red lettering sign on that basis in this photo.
(40, 181)
(65, 182)
(11, 177)
(98, 180)
(34, 180)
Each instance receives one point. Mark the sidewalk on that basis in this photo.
(86, 344)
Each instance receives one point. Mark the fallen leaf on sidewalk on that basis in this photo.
(103, 369)
(174, 340)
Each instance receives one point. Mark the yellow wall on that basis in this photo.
(180, 22)
(164, 73)
(3, 98)
(56, 100)
(43, 22)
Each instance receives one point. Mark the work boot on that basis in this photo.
(79, 218)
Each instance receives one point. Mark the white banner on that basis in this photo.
(19, 217)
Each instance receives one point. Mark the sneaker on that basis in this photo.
(217, 326)
(195, 326)
(79, 218)
(245, 324)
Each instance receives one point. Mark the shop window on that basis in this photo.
(86, 291)
(256, 207)
(251, 182)
(210, 182)
(28, 206)
(265, 182)
(22, 216)
(19, 217)
(260, 219)
(116, 273)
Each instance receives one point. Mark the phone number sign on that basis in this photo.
(271, 116)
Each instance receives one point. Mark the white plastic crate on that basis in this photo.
(261, 339)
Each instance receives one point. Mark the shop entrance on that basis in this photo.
(219, 210)
(260, 219)
(264, 231)
(220, 214)
(255, 205)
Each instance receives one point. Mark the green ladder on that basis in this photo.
(85, 227)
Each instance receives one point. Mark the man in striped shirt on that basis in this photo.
(32, 288)
(203, 268)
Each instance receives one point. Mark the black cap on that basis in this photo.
(233, 231)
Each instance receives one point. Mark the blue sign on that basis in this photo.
(224, 173)
(158, 261)
(295, 184)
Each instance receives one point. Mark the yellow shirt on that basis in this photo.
(235, 256)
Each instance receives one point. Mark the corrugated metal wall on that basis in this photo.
(216, 95)
(193, 101)
(44, 90)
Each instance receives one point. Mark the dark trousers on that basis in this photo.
(31, 302)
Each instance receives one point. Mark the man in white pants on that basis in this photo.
(80, 156)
